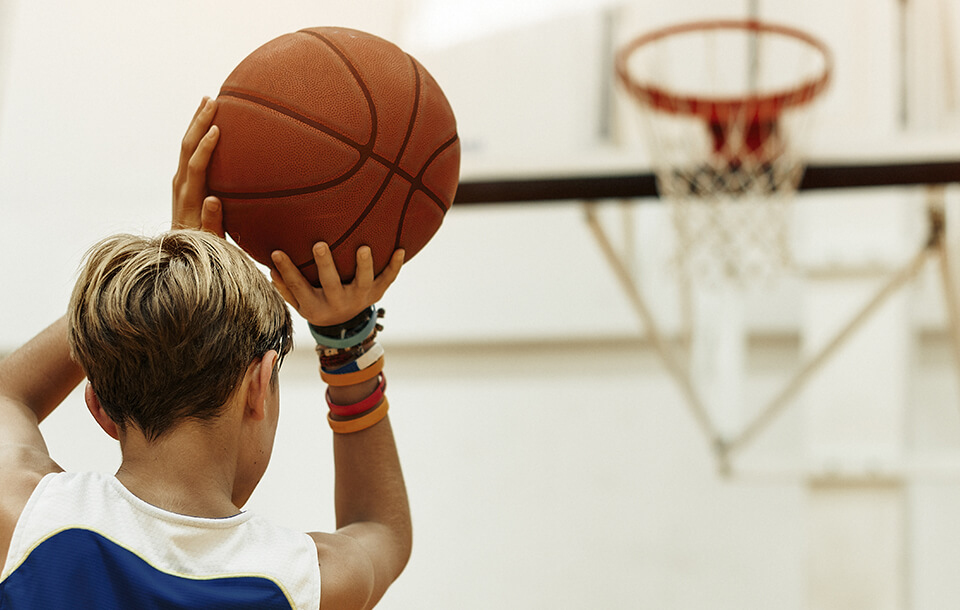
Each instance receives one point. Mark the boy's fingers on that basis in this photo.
(364, 275)
(199, 125)
(197, 165)
(327, 271)
(196, 175)
(297, 284)
(283, 289)
(211, 217)
(390, 273)
(203, 104)
(185, 149)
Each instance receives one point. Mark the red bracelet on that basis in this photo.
(360, 407)
(367, 420)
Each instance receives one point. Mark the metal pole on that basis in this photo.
(936, 201)
(678, 372)
(781, 400)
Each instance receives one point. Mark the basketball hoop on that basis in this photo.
(724, 103)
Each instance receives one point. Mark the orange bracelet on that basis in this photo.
(353, 378)
(356, 424)
(359, 408)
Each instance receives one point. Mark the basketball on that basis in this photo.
(334, 135)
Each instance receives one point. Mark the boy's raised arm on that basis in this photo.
(37, 377)
(34, 380)
(373, 540)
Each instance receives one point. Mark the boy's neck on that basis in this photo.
(189, 471)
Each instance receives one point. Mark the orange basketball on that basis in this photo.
(335, 135)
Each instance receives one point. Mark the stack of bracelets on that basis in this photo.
(350, 354)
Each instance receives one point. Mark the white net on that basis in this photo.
(725, 110)
(732, 218)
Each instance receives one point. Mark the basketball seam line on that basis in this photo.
(364, 151)
(365, 154)
(415, 183)
(386, 181)
(371, 106)
(393, 168)
(426, 166)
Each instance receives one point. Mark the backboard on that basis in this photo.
(894, 92)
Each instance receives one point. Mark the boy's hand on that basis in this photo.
(192, 208)
(332, 303)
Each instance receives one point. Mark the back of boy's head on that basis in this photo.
(165, 327)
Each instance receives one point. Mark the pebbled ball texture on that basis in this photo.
(335, 135)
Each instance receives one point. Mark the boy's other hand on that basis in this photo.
(193, 208)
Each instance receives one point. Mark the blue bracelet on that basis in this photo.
(346, 341)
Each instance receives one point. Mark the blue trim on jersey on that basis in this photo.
(81, 569)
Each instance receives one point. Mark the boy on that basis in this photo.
(181, 339)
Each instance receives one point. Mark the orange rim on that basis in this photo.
(720, 109)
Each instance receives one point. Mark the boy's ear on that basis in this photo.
(261, 374)
(93, 405)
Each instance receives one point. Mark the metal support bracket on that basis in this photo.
(725, 447)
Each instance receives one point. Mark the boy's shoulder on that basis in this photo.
(22, 467)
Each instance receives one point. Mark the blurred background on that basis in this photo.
(552, 459)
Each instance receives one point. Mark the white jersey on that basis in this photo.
(85, 541)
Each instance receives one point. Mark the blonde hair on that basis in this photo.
(165, 327)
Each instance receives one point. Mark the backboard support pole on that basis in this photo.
(680, 373)
(725, 447)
